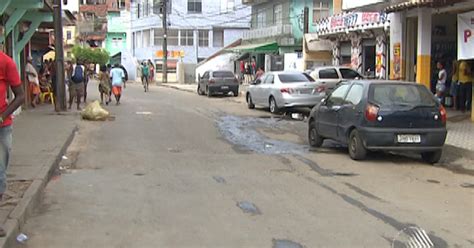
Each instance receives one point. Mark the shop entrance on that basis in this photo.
(368, 61)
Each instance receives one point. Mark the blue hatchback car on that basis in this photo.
(380, 115)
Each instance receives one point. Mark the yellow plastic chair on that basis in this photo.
(48, 93)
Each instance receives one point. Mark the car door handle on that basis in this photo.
(336, 108)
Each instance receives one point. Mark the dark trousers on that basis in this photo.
(465, 96)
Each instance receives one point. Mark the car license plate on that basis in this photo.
(409, 138)
(224, 87)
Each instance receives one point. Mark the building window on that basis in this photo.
(261, 19)
(194, 6)
(138, 10)
(173, 37)
(89, 16)
(278, 14)
(320, 9)
(146, 38)
(68, 35)
(118, 4)
(146, 8)
(203, 38)
(227, 6)
(187, 37)
(218, 38)
(158, 8)
(117, 42)
(158, 36)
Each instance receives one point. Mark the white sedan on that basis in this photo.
(280, 90)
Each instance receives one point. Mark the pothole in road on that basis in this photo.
(284, 243)
(249, 208)
(219, 179)
(242, 132)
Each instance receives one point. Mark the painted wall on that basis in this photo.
(296, 11)
(114, 47)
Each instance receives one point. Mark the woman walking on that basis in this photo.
(104, 85)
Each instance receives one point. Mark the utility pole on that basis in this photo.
(306, 20)
(165, 41)
(58, 45)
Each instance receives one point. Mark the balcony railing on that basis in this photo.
(273, 31)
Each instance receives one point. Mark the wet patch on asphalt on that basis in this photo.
(364, 193)
(468, 185)
(241, 131)
(219, 179)
(284, 243)
(249, 208)
(433, 181)
(321, 171)
(139, 174)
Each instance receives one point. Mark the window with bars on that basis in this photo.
(158, 36)
(203, 38)
(278, 14)
(261, 19)
(173, 37)
(194, 6)
(227, 6)
(187, 37)
(321, 9)
(218, 38)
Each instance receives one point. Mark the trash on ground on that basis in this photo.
(22, 238)
(144, 113)
(467, 185)
(65, 157)
(95, 112)
(297, 116)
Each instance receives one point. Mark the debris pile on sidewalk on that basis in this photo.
(94, 112)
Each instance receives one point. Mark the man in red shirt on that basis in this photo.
(9, 78)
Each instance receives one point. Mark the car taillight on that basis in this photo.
(444, 115)
(320, 89)
(212, 81)
(371, 112)
(286, 90)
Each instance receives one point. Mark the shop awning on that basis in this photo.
(256, 48)
(409, 4)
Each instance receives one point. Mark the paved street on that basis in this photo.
(178, 170)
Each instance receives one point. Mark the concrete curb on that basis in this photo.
(32, 196)
(458, 151)
(176, 88)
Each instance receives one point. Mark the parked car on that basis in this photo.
(218, 82)
(371, 115)
(279, 90)
(329, 76)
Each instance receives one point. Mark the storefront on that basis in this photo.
(359, 40)
(424, 33)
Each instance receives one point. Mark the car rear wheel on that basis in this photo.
(315, 140)
(357, 150)
(431, 157)
(208, 92)
(250, 104)
(273, 106)
(199, 91)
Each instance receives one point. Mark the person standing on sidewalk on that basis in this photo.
(441, 83)
(76, 89)
(9, 77)
(33, 81)
(465, 86)
(117, 75)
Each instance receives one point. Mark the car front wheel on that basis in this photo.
(315, 140)
(431, 157)
(357, 150)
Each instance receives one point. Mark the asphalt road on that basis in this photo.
(178, 170)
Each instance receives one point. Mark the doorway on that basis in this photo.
(368, 61)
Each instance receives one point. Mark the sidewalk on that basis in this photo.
(40, 137)
(193, 89)
(461, 133)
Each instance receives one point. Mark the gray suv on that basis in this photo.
(218, 82)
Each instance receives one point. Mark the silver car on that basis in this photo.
(330, 76)
(280, 90)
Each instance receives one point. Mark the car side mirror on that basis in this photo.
(323, 101)
(256, 82)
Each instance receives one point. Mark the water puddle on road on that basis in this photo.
(242, 132)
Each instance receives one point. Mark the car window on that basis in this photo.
(223, 74)
(294, 78)
(269, 79)
(400, 95)
(337, 96)
(206, 75)
(328, 74)
(355, 94)
(349, 73)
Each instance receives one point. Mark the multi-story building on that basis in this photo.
(278, 28)
(118, 37)
(196, 28)
(92, 22)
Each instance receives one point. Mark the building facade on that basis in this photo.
(281, 23)
(196, 28)
(119, 36)
(359, 37)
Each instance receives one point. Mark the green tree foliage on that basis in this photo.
(89, 55)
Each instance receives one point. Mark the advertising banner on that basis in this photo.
(466, 35)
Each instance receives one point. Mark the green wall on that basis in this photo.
(296, 9)
(109, 44)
